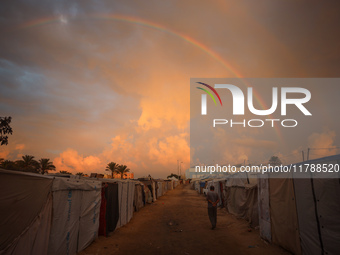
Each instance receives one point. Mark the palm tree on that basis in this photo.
(122, 169)
(45, 165)
(28, 163)
(8, 165)
(112, 166)
(65, 172)
(80, 174)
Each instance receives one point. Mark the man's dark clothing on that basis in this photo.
(212, 196)
(212, 210)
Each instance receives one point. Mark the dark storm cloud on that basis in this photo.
(111, 89)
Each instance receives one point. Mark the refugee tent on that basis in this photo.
(25, 212)
(119, 199)
(284, 219)
(175, 181)
(46, 214)
(149, 190)
(139, 197)
(62, 214)
(148, 194)
(169, 184)
(75, 216)
(318, 207)
(159, 188)
(204, 187)
(164, 187)
(154, 190)
(240, 198)
(126, 191)
(263, 206)
(304, 208)
(119, 196)
(109, 209)
(277, 211)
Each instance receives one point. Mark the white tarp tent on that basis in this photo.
(302, 209)
(75, 221)
(240, 197)
(126, 190)
(160, 189)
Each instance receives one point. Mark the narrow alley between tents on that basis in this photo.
(178, 223)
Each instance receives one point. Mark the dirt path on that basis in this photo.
(178, 223)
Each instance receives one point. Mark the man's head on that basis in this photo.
(212, 188)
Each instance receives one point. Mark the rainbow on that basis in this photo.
(39, 22)
(138, 21)
(145, 23)
(152, 25)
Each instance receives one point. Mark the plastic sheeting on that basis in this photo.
(159, 189)
(242, 202)
(169, 185)
(23, 204)
(263, 205)
(138, 197)
(318, 206)
(34, 240)
(126, 191)
(283, 213)
(58, 215)
(76, 205)
(89, 216)
(153, 184)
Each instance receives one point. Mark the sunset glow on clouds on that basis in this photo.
(87, 84)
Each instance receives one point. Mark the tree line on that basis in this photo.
(43, 165)
(27, 163)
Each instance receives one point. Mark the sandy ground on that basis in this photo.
(178, 223)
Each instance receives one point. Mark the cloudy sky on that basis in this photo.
(90, 82)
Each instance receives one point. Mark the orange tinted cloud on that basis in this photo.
(4, 153)
(20, 146)
(71, 161)
(322, 144)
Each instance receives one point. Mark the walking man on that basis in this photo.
(213, 199)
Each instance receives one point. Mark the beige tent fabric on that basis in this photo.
(76, 205)
(65, 221)
(242, 202)
(283, 214)
(318, 214)
(126, 192)
(34, 240)
(263, 205)
(138, 197)
(89, 216)
(22, 198)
